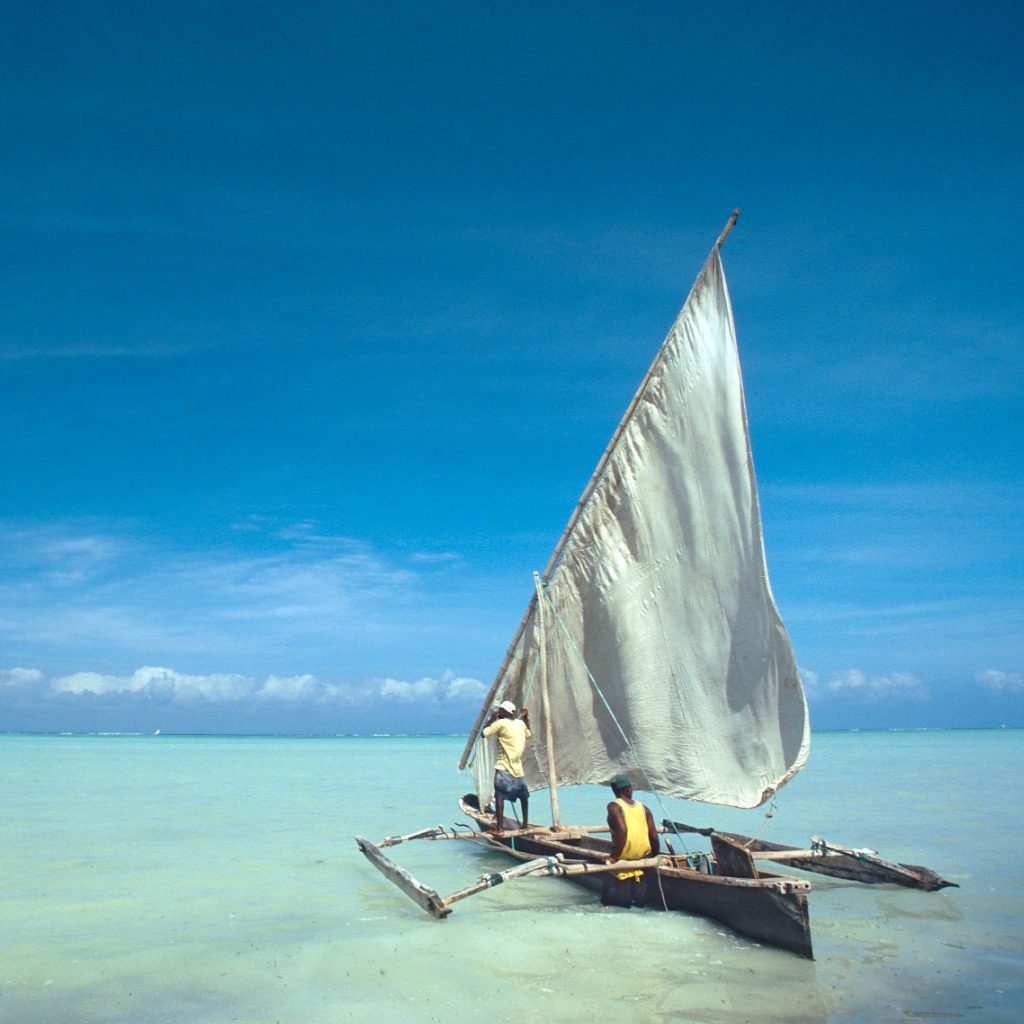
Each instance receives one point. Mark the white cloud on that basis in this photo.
(449, 688)
(59, 557)
(810, 682)
(218, 687)
(462, 688)
(897, 684)
(295, 688)
(20, 677)
(853, 683)
(229, 688)
(1000, 682)
(422, 690)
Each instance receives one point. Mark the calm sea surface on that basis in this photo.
(196, 879)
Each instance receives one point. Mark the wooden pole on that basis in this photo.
(540, 865)
(423, 833)
(618, 865)
(730, 224)
(574, 518)
(536, 831)
(549, 739)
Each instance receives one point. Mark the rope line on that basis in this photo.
(661, 888)
(611, 713)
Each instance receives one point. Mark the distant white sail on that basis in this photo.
(667, 659)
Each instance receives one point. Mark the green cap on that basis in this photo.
(620, 782)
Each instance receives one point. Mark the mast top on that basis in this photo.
(730, 224)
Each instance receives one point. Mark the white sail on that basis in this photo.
(667, 658)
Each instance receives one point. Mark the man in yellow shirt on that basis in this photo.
(512, 734)
(634, 837)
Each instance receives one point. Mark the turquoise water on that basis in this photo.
(195, 879)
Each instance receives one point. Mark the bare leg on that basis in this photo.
(526, 812)
(499, 807)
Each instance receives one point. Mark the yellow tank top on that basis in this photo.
(638, 842)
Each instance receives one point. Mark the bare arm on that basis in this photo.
(617, 823)
(652, 833)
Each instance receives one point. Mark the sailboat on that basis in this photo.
(652, 647)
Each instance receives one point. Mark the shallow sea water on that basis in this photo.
(212, 879)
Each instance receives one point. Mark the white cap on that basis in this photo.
(507, 705)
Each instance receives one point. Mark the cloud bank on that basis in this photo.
(225, 688)
(258, 596)
(996, 681)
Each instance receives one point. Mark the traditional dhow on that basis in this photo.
(652, 648)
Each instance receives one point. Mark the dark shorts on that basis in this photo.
(509, 787)
(622, 892)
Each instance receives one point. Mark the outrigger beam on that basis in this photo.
(827, 858)
(441, 906)
(537, 866)
(441, 833)
(423, 833)
(429, 899)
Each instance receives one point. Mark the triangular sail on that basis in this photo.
(666, 655)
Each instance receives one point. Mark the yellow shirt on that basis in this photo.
(512, 734)
(638, 840)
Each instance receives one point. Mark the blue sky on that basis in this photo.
(316, 318)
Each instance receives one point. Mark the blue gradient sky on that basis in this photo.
(316, 318)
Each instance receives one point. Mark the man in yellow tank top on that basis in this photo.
(634, 837)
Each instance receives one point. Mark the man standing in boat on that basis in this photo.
(512, 734)
(634, 837)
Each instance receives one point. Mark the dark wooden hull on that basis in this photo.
(771, 909)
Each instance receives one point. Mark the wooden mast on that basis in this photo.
(573, 519)
(549, 740)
